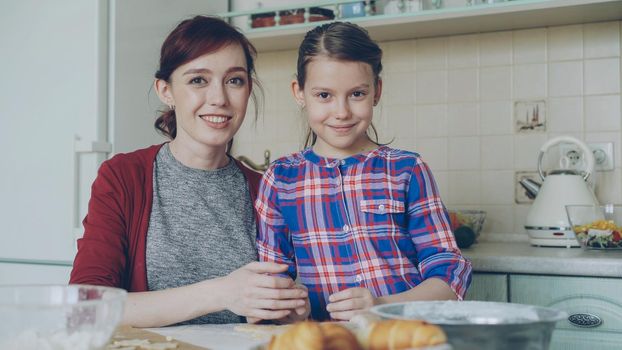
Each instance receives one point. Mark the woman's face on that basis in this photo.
(210, 95)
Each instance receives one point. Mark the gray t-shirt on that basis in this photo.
(201, 226)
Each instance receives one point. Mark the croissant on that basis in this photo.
(378, 335)
(403, 334)
(315, 336)
(303, 335)
(337, 337)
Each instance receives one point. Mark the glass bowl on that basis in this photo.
(597, 226)
(55, 317)
(474, 219)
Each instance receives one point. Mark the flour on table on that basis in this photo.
(260, 331)
(141, 344)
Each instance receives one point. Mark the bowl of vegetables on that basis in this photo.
(466, 225)
(597, 226)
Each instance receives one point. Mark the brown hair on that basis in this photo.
(193, 38)
(343, 41)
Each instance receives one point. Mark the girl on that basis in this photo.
(173, 224)
(358, 223)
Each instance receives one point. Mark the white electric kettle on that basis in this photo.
(547, 221)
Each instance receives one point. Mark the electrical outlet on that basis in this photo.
(603, 155)
(520, 194)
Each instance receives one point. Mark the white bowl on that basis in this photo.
(59, 317)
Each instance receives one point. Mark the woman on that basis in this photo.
(173, 223)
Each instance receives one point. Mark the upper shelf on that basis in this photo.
(518, 14)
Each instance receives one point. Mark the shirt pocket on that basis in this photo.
(384, 223)
(382, 206)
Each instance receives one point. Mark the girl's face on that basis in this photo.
(339, 97)
(210, 95)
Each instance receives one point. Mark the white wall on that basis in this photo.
(137, 31)
(451, 99)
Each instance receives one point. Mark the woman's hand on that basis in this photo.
(345, 304)
(253, 292)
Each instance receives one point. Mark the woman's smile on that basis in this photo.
(216, 121)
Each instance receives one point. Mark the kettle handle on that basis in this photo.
(587, 153)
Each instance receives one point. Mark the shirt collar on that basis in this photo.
(321, 161)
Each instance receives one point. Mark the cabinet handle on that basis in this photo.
(585, 320)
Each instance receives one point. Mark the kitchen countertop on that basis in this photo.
(521, 257)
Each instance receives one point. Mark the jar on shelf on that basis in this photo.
(394, 7)
(358, 9)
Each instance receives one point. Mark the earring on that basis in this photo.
(171, 107)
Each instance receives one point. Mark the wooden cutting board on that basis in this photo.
(128, 333)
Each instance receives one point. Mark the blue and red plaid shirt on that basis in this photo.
(373, 220)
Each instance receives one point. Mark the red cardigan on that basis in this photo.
(112, 250)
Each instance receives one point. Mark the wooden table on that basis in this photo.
(207, 336)
(128, 333)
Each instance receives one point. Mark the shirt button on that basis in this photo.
(346, 228)
(381, 208)
(342, 162)
(358, 278)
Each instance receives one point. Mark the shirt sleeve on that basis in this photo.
(428, 224)
(273, 239)
(101, 257)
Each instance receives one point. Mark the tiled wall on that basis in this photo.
(451, 99)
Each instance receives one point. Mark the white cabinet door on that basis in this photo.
(578, 296)
(75, 88)
(488, 287)
(33, 273)
(51, 93)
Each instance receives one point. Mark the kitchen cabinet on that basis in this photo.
(488, 287)
(597, 297)
(34, 272)
(581, 282)
(76, 88)
(509, 15)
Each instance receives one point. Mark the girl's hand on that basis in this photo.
(251, 291)
(300, 313)
(345, 304)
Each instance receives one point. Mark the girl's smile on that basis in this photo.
(342, 129)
